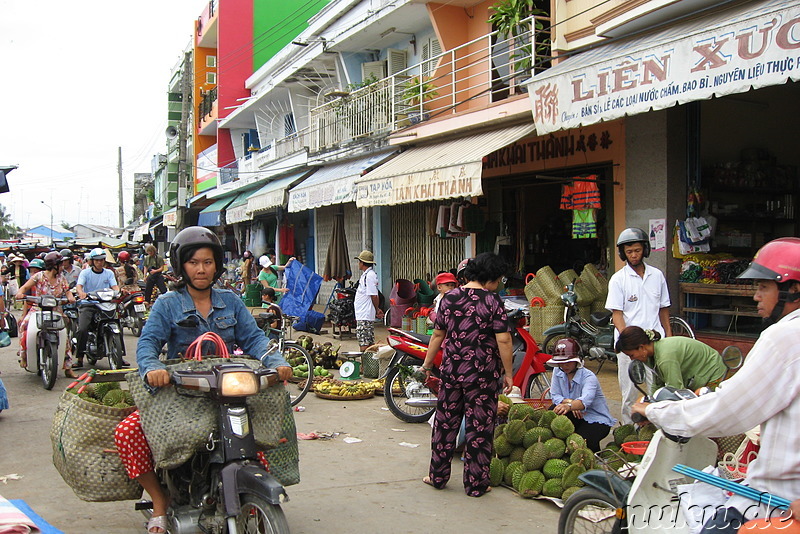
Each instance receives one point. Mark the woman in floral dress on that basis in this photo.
(50, 281)
(472, 326)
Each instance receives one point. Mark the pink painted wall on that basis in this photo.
(234, 63)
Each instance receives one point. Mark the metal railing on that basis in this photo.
(206, 104)
(474, 75)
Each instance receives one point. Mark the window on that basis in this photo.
(211, 61)
(211, 78)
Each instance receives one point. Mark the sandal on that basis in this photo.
(157, 522)
(427, 480)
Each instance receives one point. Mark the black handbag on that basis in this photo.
(11, 325)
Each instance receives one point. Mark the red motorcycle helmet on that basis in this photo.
(124, 256)
(778, 260)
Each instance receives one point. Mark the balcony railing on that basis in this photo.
(488, 69)
(207, 103)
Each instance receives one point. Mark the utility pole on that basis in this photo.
(119, 176)
(183, 131)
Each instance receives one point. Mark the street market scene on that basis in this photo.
(530, 265)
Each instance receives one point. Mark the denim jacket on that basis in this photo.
(228, 317)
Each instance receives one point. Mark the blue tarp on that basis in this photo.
(3, 397)
(303, 285)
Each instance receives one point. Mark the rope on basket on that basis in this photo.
(195, 349)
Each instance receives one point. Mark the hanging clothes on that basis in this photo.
(584, 224)
(286, 239)
(585, 193)
(566, 197)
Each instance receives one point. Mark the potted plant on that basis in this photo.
(416, 91)
(512, 19)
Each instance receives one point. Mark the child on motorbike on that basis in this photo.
(197, 255)
(679, 362)
(576, 393)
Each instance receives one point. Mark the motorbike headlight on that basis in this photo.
(239, 384)
(49, 302)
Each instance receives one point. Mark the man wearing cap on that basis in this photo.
(367, 300)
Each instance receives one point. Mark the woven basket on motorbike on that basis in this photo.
(593, 278)
(549, 284)
(84, 454)
(584, 294)
(176, 426)
(543, 317)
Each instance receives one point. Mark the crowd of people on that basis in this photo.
(470, 326)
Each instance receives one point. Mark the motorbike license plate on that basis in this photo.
(138, 307)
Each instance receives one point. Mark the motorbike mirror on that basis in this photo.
(732, 356)
(637, 372)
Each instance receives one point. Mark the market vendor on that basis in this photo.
(176, 319)
(679, 361)
(576, 393)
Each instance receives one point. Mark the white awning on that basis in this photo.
(753, 45)
(273, 194)
(450, 169)
(141, 231)
(333, 184)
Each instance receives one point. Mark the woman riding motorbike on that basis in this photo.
(176, 319)
(49, 281)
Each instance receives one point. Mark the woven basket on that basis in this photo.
(593, 278)
(543, 317)
(585, 312)
(549, 284)
(584, 294)
(598, 305)
(421, 325)
(532, 289)
(84, 452)
(178, 425)
(369, 365)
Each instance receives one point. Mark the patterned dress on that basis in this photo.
(42, 286)
(470, 374)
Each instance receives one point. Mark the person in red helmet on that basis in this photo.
(576, 393)
(765, 391)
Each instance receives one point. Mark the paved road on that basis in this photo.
(361, 487)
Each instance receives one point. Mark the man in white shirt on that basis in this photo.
(95, 278)
(367, 300)
(637, 296)
(765, 391)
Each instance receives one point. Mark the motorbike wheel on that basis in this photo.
(397, 383)
(49, 365)
(571, 520)
(294, 352)
(257, 516)
(136, 327)
(114, 348)
(537, 386)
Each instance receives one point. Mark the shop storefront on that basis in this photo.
(704, 103)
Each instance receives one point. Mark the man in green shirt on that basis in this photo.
(680, 362)
(154, 268)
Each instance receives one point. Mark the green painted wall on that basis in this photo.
(277, 22)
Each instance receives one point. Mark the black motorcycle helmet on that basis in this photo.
(188, 241)
(630, 236)
(52, 259)
(66, 254)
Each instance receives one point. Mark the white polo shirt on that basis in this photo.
(639, 298)
(367, 287)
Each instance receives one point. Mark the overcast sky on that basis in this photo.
(80, 79)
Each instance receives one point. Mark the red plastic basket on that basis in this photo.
(635, 447)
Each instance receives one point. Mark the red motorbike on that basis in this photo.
(412, 400)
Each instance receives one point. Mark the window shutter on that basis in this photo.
(397, 60)
(376, 69)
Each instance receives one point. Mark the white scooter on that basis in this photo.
(641, 497)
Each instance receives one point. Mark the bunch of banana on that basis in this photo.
(342, 390)
(374, 384)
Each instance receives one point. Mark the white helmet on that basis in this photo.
(96, 253)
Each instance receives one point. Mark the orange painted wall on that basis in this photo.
(455, 26)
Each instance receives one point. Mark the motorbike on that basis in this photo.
(131, 312)
(43, 336)
(224, 488)
(595, 336)
(413, 401)
(639, 497)
(104, 337)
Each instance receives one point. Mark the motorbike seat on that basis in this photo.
(420, 338)
(601, 318)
